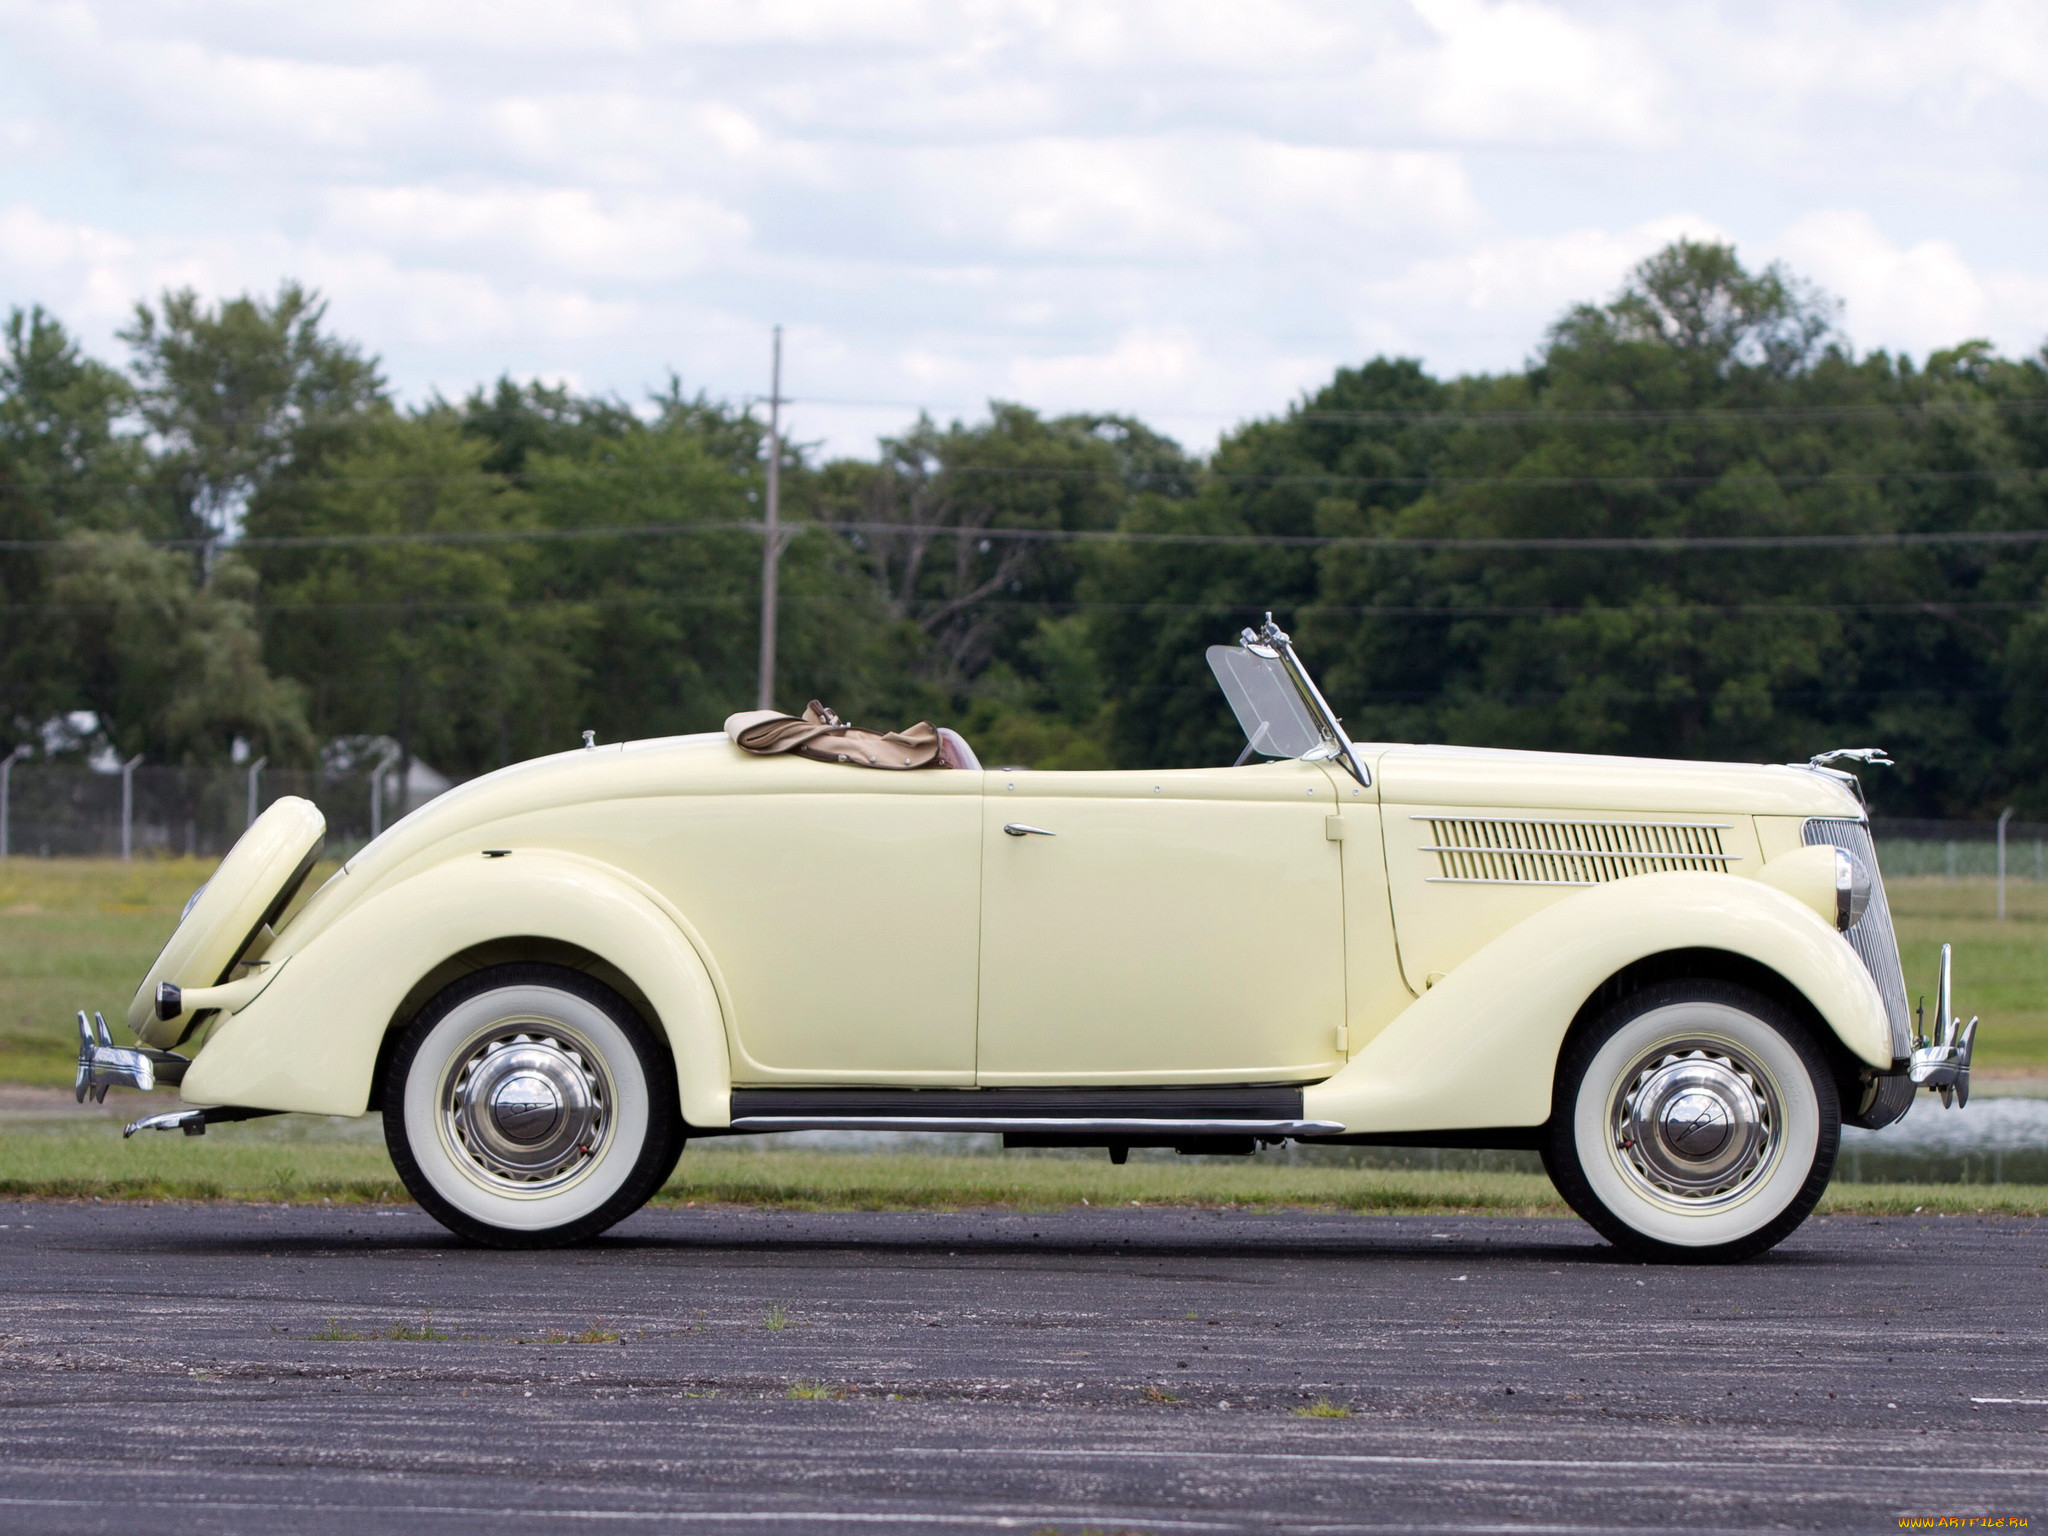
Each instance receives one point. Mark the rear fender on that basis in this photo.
(310, 1040)
(1479, 1049)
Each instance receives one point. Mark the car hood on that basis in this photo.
(1570, 781)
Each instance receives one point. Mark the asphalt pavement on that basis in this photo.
(185, 1368)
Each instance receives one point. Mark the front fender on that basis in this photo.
(309, 1041)
(1479, 1049)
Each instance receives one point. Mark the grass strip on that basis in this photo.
(293, 1163)
(1935, 1200)
(309, 1162)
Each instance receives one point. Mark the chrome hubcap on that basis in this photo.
(528, 1106)
(1696, 1123)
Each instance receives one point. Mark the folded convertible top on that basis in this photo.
(821, 734)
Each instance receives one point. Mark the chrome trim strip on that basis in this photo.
(1561, 821)
(1573, 884)
(1074, 1127)
(1580, 853)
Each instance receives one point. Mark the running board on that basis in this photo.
(1012, 1124)
(1163, 1114)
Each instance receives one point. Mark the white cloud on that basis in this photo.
(1173, 198)
(1916, 297)
(567, 228)
(1156, 366)
(1190, 207)
(1521, 72)
(1452, 307)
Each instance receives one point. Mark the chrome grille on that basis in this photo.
(1504, 851)
(1871, 935)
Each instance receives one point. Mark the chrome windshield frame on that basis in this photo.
(1270, 640)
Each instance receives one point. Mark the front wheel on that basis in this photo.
(529, 1106)
(1694, 1121)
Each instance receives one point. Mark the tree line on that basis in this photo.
(1697, 523)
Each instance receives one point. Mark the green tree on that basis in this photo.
(672, 643)
(241, 391)
(457, 650)
(173, 670)
(535, 418)
(66, 465)
(939, 491)
(1341, 462)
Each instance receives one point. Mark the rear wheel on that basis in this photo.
(1694, 1121)
(529, 1106)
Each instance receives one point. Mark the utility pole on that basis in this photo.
(771, 548)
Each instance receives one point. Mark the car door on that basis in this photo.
(1175, 927)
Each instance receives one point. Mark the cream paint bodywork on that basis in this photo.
(1375, 992)
(1174, 927)
(1504, 969)
(833, 912)
(1479, 1048)
(1807, 874)
(309, 1039)
(1443, 923)
(839, 905)
(796, 922)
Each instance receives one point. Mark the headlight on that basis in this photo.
(1852, 888)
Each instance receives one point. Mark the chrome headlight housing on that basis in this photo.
(1853, 885)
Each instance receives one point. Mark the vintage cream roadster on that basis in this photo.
(1674, 980)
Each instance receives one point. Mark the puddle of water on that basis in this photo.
(1985, 1125)
(1992, 1141)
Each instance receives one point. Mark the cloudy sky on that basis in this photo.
(1184, 209)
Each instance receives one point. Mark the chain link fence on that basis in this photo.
(1960, 850)
(154, 812)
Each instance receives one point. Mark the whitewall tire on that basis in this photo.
(530, 1105)
(1693, 1121)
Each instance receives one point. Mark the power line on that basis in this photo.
(1533, 415)
(1363, 542)
(654, 599)
(1141, 479)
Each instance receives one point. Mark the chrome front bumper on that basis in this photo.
(1943, 1063)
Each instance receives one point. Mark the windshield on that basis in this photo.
(1276, 721)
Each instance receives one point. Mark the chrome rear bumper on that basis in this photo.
(103, 1064)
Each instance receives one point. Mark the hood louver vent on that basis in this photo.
(1499, 851)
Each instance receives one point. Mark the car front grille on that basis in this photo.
(1871, 935)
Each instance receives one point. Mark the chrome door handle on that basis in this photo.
(1018, 829)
